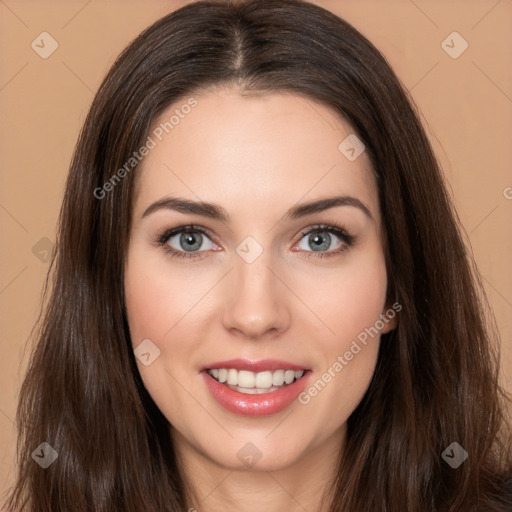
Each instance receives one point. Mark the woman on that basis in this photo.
(326, 348)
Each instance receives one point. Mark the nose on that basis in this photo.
(256, 306)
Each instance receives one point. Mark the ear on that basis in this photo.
(389, 316)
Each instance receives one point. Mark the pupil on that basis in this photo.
(190, 241)
(320, 242)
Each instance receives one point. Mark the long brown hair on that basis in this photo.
(436, 380)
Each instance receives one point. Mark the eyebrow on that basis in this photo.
(216, 212)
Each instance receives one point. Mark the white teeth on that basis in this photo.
(254, 391)
(278, 378)
(289, 375)
(245, 379)
(251, 382)
(263, 380)
(233, 377)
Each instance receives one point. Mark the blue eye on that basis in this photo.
(319, 239)
(184, 242)
(187, 241)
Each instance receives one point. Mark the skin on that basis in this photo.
(256, 156)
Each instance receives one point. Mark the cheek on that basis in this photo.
(163, 304)
(349, 298)
(351, 305)
(156, 300)
(157, 303)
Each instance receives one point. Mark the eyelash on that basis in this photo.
(347, 240)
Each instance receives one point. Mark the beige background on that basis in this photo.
(466, 105)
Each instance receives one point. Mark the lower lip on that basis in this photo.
(264, 404)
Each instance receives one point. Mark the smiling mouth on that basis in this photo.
(255, 383)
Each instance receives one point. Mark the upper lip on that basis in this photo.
(254, 366)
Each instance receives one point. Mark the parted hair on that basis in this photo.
(436, 380)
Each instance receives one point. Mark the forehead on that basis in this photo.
(251, 152)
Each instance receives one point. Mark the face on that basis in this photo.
(255, 319)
